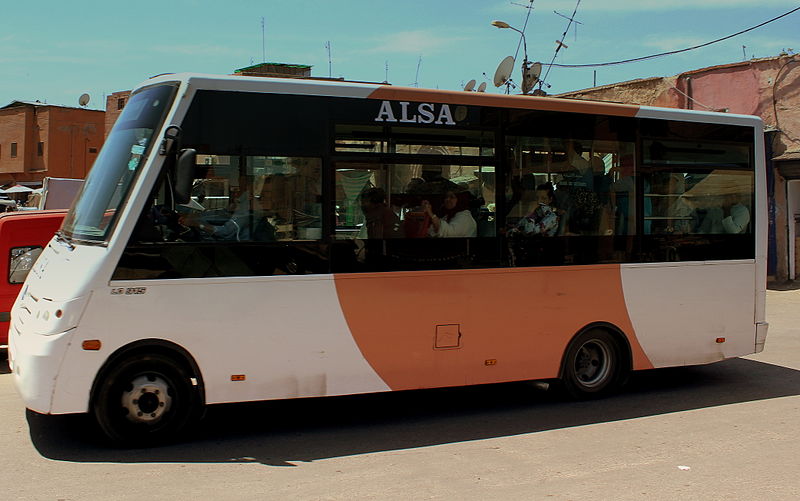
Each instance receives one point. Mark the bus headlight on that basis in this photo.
(46, 317)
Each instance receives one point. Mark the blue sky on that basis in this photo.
(54, 51)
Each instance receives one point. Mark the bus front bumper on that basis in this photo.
(35, 361)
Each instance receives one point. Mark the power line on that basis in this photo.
(669, 53)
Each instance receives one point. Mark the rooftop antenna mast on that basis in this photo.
(416, 78)
(386, 79)
(572, 20)
(263, 43)
(524, 25)
(559, 44)
(330, 66)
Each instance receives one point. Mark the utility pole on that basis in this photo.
(263, 43)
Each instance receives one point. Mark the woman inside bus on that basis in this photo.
(453, 219)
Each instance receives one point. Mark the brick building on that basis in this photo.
(767, 87)
(40, 140)
(115, 103)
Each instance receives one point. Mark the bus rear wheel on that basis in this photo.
(145, 400)
(593, 364)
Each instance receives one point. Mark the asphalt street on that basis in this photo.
(729, 430)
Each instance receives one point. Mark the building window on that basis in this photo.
(92, 150)
(40, 148)
(120, 103)
(13, 150)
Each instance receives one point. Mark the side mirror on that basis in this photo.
(184, 175)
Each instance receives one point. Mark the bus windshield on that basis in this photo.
(95, 209)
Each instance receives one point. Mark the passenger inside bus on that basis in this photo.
(732, 216)
(543, 218)
(380, 220)
(453, 218)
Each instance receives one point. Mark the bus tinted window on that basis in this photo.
(592, 183)
(243, 213)
(341, 192)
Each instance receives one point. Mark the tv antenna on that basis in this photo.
(83, 100)
(482, 87)
(560, 44)
(529, 6)
(416, 78)
(470, 86)
(572, 20)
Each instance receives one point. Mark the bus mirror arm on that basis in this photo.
(184, 175)
(171, 136)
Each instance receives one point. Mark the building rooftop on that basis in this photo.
(20, 104)
(281, 65)
(637, 81)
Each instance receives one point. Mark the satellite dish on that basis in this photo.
(530, 76)
(536, 70)
(84, 99)
(503, 72)
(470, 85)
(482, 87)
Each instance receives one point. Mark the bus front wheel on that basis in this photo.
(145, 399)
(593, 364)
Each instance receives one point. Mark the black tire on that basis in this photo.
(593, 365)
(145, 400)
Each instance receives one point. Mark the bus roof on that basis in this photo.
(360, 90)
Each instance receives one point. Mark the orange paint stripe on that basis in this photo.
(411, 94)
(520, 319)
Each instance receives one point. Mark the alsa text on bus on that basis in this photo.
(425, 113)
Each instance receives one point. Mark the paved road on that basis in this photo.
(725, 431)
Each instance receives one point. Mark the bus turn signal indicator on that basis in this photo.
(91, 344)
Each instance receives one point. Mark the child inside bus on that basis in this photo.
(543, 219)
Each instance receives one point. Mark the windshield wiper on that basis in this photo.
(61, 237)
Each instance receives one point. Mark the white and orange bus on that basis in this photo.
(244, 239)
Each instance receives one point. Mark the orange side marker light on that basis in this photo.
(91, 344)
(491, 361)
(238, 377)
(720, 340)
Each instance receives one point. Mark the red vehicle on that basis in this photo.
(23, 235)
